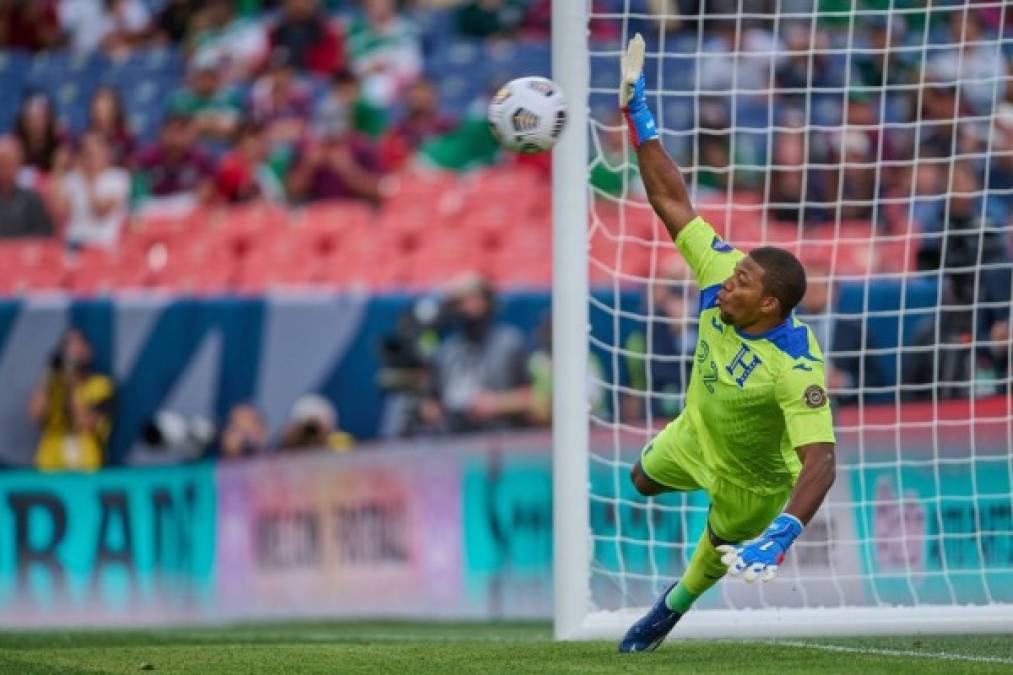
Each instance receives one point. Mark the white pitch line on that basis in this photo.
(874, 651)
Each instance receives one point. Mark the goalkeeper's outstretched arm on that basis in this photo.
(760, 558)
(819, 466)
(666, 189)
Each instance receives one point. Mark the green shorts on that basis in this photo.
(736, 514)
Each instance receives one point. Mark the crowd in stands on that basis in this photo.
(869, 117)
(895, 124)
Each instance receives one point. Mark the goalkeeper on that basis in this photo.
(756, 432)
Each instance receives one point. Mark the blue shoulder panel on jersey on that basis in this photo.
(709, 297)
(721, 246)
(791, 339)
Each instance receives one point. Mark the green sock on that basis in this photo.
(705, 569)
(679, 599)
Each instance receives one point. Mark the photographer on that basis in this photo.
(73, 407)
(313, 425)
(245, 433)
(405, 375)
(480, 376)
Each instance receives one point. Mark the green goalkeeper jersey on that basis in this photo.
(752, 399)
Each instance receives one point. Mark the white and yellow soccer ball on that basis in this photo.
(528, 114)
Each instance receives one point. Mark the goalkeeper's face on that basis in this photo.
(742, 300)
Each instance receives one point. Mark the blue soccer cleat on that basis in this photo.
(647, 634)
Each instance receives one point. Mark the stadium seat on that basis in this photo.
(100, 271)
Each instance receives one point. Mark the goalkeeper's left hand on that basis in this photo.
(633, 94)
(761, 557)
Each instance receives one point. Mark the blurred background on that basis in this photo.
(274, 333)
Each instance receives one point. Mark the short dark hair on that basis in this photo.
(783, 278)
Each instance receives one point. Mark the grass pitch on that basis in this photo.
(409, 648)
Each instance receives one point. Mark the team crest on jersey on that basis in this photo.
(720, 245)
(815, 396)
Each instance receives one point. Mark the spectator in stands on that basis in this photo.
(973, 61)
(312, 41)
(344, 107)
(787, 187)
(113, 25)
(540, 374)
(172, 23)
(42, 142)
(659, 357)
(107, 119)
(965, 240)
(214, 107)
(739, 56)
(480, 380)
(31, 25)
(244, 173)
(383, 51)
(714, 163)
(943, 361)
(929, 195)
(490, 18)
(281, 100)
(883, 61)
(22, 212)
(93, 197)
(239, 43)
(807, 64)
(337, 163)
(422, 120)
(939, 114)
(999, 348)
(245, 433)
(313, 425)
(174, 174)
(73, 407)
(861, 114)
(1000, 166)
(853, 190)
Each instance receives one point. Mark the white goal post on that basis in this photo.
(917, 533)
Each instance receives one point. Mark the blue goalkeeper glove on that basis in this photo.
(632, 97)
(761, 557)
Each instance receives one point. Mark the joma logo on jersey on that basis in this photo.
(741, 363)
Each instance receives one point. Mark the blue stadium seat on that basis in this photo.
(69, 79)
(434, 25)
(13, 66)
(520, 58)
(752, 146)
(826, 109)
(896, 109)
(65, 65)
(752, 113)
(13, 63)
(604, 72)
(457, 92)
(678, 73)
(456, 54)
(677, 113)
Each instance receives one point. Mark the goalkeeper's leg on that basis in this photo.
(736, 515)
(661, 469)
(704, 570)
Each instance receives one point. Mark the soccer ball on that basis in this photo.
(527, 114)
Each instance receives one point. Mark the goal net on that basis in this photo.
(875, 141)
